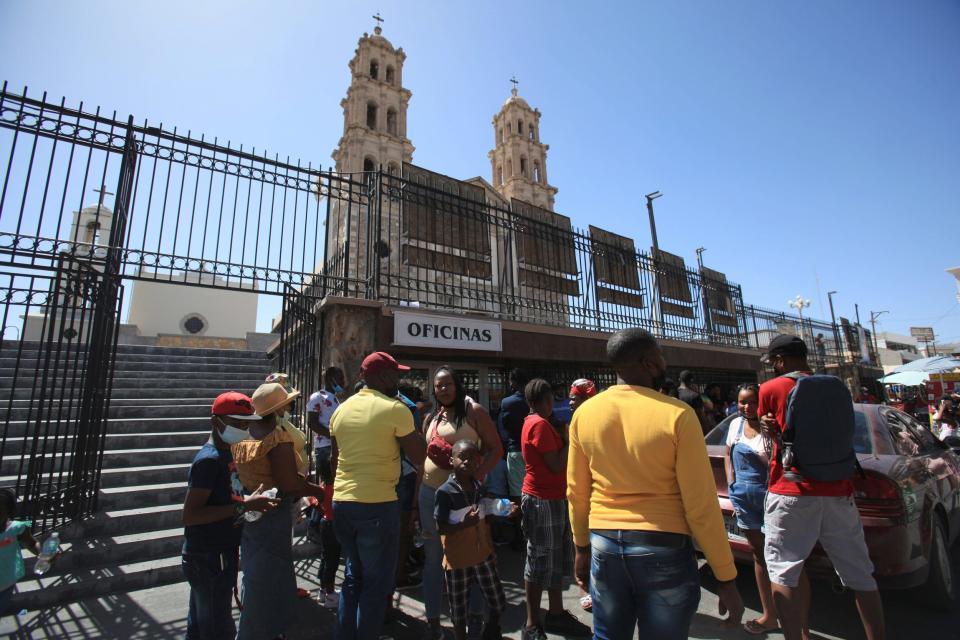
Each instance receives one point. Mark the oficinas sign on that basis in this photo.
(446, 332)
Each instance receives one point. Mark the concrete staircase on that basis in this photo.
(159, 417)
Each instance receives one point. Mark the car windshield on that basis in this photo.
(862, 442)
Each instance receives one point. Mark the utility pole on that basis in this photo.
(833, 320)
(873, 328)
(653, 223)
(856, 308)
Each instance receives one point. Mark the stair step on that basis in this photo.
(144, 495)
(135, 476)
(11, 348)
(41, 593)
(181, 410)
(20, 428)
(186, 391)
(10, 464)
(112, 442)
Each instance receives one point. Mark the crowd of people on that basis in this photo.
(612, 489)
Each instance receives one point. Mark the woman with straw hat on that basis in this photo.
(270, 461)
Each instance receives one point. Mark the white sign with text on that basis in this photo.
(446, 332)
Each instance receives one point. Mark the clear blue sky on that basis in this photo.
(808, 146)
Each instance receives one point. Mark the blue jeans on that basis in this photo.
(369, 534)
(655, 589)
(212, 577)
(269, 583)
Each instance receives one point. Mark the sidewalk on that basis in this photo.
(160, 613)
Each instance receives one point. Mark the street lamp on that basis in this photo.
(799, 303)
(873, 328)
(653, 223)
(700, 251)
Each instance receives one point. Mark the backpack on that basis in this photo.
(820, 427)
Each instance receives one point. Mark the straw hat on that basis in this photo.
(271, 396)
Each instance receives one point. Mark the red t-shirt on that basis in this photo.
(328, 502)
(773, 399)
(537, 438)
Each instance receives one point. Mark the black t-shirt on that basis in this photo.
(214, 469)
(513, 411)
(692, 398)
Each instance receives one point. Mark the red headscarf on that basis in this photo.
(584, 388)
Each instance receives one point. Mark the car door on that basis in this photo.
(940, 463)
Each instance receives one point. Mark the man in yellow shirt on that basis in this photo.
(641, 489)
(367, 433)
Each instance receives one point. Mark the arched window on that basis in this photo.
(371, 115)
(392, 122)
(392, 168)
(499, 175)
(390, 75)
(501, 135)
(369, 164)
(374, 69)
(509, 168)
(523, 166)
(520, 127)
(536, 171)
(531, 131)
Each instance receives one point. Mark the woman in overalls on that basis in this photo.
(746, 461)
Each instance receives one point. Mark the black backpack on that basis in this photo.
(820, 427)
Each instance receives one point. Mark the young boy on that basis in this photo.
(211, 519)
(545, 521)
(467, 547)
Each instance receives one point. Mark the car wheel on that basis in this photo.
(939, 590)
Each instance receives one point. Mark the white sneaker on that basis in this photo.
(330, 600)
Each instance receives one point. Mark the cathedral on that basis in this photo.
(427, 254)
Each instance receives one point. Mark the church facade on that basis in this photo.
(480, 273)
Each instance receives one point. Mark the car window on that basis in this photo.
(862, 442)
(922, 433)
(718, 435)
(905, 442)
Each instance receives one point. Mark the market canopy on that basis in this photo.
(906, 378)
(919, 371)
(936, 364)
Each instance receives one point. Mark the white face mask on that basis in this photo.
(233, 435)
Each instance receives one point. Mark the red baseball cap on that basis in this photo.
(380, 361)
(234, 404)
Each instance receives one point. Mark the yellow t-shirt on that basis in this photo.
(637, 460)
(366, 427)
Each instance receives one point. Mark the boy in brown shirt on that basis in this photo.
(467, 546)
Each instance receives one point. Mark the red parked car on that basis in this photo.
(908, 497)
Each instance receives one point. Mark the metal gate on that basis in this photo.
(298, 352)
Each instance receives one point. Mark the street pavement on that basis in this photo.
(160, 613)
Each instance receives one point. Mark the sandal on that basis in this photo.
(754, 628)
(586, 603)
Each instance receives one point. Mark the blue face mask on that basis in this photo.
(337, 388)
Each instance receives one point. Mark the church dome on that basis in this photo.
(515, 99)
(379, 39)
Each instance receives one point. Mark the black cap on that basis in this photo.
(784, 345)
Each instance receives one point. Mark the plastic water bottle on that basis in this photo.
(253, 516)
(497, 507)
(47, 552)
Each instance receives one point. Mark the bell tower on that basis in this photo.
(519, 159)
(375, 109)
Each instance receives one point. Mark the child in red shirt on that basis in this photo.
(546, 522)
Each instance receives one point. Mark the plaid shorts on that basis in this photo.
(458, 588)
(546, 525)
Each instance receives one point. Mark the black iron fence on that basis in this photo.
(424, 240)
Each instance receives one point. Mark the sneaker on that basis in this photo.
(330, 599)
(566, 624)
(533, 633)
